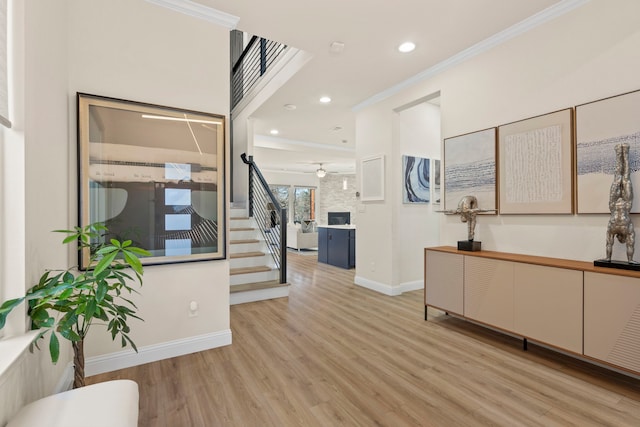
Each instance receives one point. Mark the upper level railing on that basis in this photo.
(254, 61)
(270, 216)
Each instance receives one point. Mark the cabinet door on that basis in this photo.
(338, 252)
(612, 319)
(548, 305)
(322, 244)
(488, 291)
(443, 286)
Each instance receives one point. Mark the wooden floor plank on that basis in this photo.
(335, 354)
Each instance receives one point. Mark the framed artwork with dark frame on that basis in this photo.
(470, 169)
(154, 175)
(600, 126)
(536, 165)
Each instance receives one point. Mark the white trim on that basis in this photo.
(377, 286)
(411, 286)
(11, 348)
(152, 353)
(389, 290)
(200, 11)
(521, 27)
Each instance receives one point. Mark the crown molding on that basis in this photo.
(521, 27)
(200, 11)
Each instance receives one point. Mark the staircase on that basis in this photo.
(252, 271)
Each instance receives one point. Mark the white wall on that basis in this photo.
(152, 54)
(36, 190)
(417, 225)
(585, 55)
(129, 49)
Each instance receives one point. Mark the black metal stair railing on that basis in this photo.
(270, 216)
(254, 61)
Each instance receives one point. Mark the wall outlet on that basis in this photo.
(193, 309)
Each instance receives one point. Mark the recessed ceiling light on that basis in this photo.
(290, 106)
(325, 99)
(274, 131)
(406, 47)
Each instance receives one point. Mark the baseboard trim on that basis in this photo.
(385, 289)
(152, 353)
(411, 286)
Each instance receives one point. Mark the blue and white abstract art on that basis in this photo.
(416, 185)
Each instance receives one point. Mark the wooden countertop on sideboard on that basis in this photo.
(539, 260)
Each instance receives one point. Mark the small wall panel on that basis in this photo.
(612, 319)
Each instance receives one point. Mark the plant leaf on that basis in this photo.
(101, 291)
(7, 307)
(91, 308)
(54, 347)
(104, 263)
(133, 261)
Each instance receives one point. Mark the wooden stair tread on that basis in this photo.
(247, 254)
(239, 218)
(243, 241)
(248, 270)
(257, 286)
(242, 229)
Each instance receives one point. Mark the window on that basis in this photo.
(304, 204)
(281, 193)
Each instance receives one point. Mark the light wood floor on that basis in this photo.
(335, 354)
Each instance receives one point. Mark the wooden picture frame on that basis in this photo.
(372, 178)
(154, 175)
(535, 165)
(600, 126)
(470, 169)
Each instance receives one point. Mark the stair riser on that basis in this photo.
(243, 235)
(258, 295)
(236, 223)
(247, 247)
(253, 261)
(240, 279)
(238, 212)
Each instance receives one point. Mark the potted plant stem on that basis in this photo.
(67, 303)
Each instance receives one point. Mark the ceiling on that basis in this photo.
(369, 64)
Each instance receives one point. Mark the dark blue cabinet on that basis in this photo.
(337, 246)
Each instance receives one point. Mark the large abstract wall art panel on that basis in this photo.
(470, 168)
(600, 126)
(416, 179)
(535, 166)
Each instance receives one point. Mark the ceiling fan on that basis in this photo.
(320, 172)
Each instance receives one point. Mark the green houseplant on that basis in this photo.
(67, 303)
